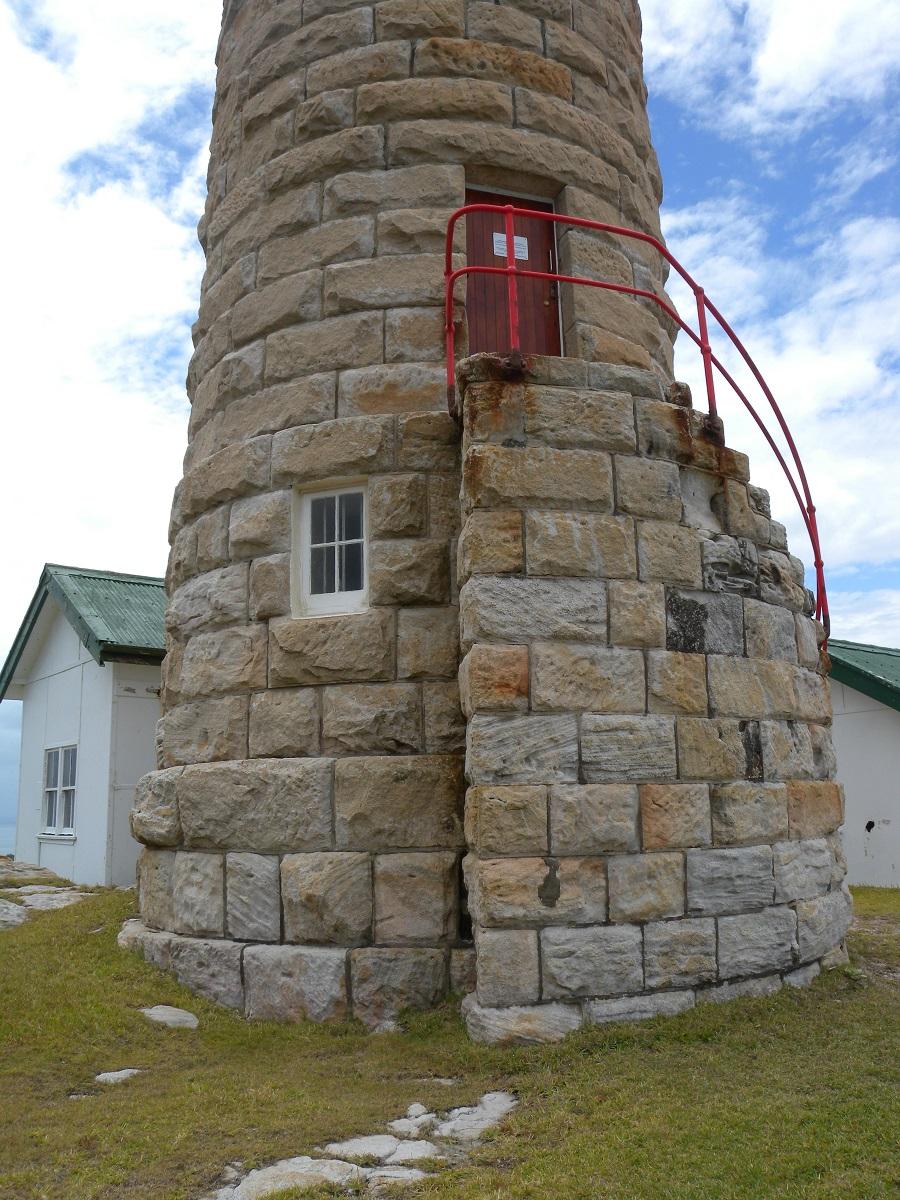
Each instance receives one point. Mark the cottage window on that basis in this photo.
(60, 769)
(333, 551)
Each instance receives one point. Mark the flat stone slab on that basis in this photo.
(118, 1076)
(12, 870)
(411, 1126)
(378, 1145)
(468, 1124)
(412, 1151)
(11, 914)
(303, 1173)
(48, 899)
(175, 1018)
(385, 1179)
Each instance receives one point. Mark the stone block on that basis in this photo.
(701, 493)
(624, 748)
(385, 981)
(212, 968)
(288, 301)
(771, 631)
(667, 431)
(514, 29)
(491, 543)
(507, 820)
(378, 718)
(212, 538)
(493, 411)
(803, 870)
(807, 642)
(315, 40)
(155, 880)
(338, 343)
(537, 476)
(675, 815)
(727, 881)
(284, 723)
(384, 282)
(748, 813)
(593, 818)
(474, 59)
(742, 687)
(531, 748)
(260, 525)
(356, 647)
(295, 983)
(793, 750)
(576, 678)
(680, 953)
(415, 898)
(645, 887)
(595, 961)
(702, 623)
(508, 966)
(407, 19)
(719, 749)
(345, 447)
(355, 192)
(397, 506)
(427, 643)
(518, 610)
(494, 679)
(409, 571)
(413, 334)
(270, 587)
(428, 442)
(391, 388)
(612, 376)
(512, 892)
(154, 813)
(265, 806)
(412, 803)
(757, 943)
(532, 1024)
(637, 1008)
(327, 898)
(445, 725)
(209, 601)
(766, 985)
(781, 580)
(637, 613)
(230, 660)
(676, 683)
(198, 894)
(669, 553)
(462, 971)
(803, 976)
(814, 808)
(738, 517)
(205, 731)
(646, 487)
(334, 241)
(443, 506)
(822, 924)
(253, 898)
(579, 544)
(231, 472)
(573, 419)
(361, 65)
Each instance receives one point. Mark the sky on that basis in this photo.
(776, 124)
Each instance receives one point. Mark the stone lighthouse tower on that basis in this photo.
(523, 702)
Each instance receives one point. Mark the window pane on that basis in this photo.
(321, 570)
(322, 518)
(68, 820)
(352, 567)
(50, 806)
(351, 516)
(51, 775)
(69, 758)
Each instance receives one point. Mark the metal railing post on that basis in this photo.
(706, 350)
(511, 281)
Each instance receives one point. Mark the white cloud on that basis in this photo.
(870, 616)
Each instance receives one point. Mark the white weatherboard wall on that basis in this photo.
(867, 742)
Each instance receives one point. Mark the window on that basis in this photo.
(332, 551)
(60, 768)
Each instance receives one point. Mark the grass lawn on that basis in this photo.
(794, 1096)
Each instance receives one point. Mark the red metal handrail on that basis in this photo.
(799, 485)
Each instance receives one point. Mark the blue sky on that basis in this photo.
(775, 123)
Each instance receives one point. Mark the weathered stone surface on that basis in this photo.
(382, 718)
(807, 642)
(766, 985)
(731, 565)
(445, 725)
(516, 29)
(771, 631)
(822, 923)
(427, 643)
(229, 473)
(209, 601)
(212, 968)
(198, 894)
(793, 750)
(295, 983)
(676, 683)
(751, 688)
(617, 748)
(675, 815)
(701, 623)
(339, 649)
(680, 953)
(502, 476)
(648, 488)
(411, 334)
(520, 1024)
(491, 543)
(397, 505)
(345, 447)
(637, 613)
(267, 806)
(511, 892)
(507, 820)
(593, 818)
(508, 966)
(327, 898)
(230, 660)
(379, 191)
(410, 803)
(406, 19)
(727, 881)
(488, 60)
(386, 981)
(579, 544)
(428, 441)
(205, 731)
(253, 898)
(749, 812)
(415, 898)
(803, 976)
(637, 1008)
(212, 538)
(260, 525)
(669, 553)
(645, 887)
(462, 971)
(284, 723)
(781, 580)
(814, 809)
(362, 65)
(174, 1018)
(155, 878)
(154, 815)
(409, 571)
(334, 241)
(595, 961)
(722, 749)
(494, 678)
(397, 388)
(571, 419)
(803, 870)
(530, 748)
(575, 678)
(516, 610)
(287, 301)
(756, 943)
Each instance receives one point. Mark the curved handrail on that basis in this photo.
(512, 272)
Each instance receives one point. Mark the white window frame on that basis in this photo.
(308, 604)
(58, 794)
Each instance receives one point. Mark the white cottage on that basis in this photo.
(86, 664)
(865, 693)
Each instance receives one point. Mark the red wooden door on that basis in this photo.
(487, 307)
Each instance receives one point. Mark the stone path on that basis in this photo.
(380, 1161)
(24, 898)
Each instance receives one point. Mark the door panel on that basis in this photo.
(486, 295)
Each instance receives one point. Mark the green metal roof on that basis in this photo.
(116, 616)
(872, 670)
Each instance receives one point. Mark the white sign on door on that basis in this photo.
(520, 246)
